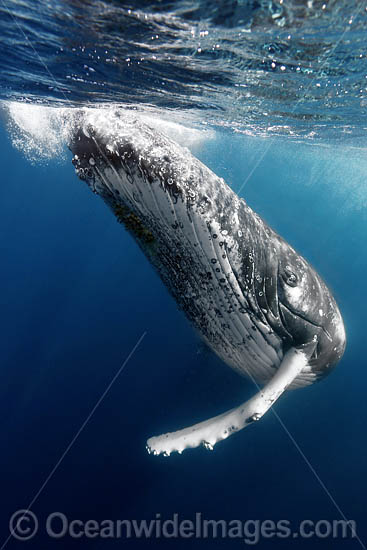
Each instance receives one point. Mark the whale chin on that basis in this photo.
(327, 356)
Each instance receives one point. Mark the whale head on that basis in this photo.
(309, 312)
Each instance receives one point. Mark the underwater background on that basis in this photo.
(77, 295)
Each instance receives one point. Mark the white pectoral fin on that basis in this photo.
(209, 432)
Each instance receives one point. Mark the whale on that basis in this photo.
(255, 301)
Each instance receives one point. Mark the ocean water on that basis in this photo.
(78, 297)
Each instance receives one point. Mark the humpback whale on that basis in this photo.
(252, 298)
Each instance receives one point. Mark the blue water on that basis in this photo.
(76, 294)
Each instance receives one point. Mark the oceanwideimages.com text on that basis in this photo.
(24, 525)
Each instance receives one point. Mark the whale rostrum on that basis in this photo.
(251, 297)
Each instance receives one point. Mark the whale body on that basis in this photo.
(252, 298)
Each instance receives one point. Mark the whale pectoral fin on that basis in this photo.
(209, 432)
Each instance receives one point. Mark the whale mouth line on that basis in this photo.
(304, 318)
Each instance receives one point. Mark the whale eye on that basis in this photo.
(289, 277)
